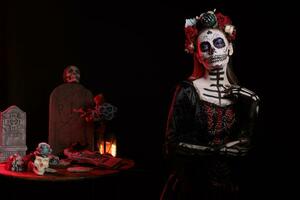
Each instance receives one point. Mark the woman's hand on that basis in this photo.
(235, 148)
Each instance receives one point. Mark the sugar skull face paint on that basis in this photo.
(213, 49)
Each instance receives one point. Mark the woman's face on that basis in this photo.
(213, 49)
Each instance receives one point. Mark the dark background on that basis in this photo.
(133, 53)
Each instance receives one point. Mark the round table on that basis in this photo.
(62, 174)
(99, 183)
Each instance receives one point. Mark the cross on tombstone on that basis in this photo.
(66, 126)
(12, 132)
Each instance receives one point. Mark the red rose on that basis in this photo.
(191, 34)
(222, 20)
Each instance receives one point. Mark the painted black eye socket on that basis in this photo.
(204, 46)
(219, 43)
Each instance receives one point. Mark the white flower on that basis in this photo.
(190, 22)
(229, 29)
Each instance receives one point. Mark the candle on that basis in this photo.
(109, 148)
(114, 149)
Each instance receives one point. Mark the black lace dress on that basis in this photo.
(197, 173)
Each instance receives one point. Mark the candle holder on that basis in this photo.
(107, 144)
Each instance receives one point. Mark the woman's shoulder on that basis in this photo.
(185, 84)
(185, 89)
(242, 91)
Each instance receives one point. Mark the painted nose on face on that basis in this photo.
(211, 50)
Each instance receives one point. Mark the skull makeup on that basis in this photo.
(71, 74)
(40, 165)
(213, 49)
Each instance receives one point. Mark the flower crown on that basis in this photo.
(209, 19)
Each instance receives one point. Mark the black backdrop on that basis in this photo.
(133, 53)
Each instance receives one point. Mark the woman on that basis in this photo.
(211, 118)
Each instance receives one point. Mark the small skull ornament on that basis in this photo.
(71, 74)
(40, 164)
(213, 49)
(16, 163)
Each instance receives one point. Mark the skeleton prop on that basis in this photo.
(42, 159)
(40, 164)
(71, 74)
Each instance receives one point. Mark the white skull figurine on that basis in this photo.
(71, 74)
(213, 48)
(40, 165)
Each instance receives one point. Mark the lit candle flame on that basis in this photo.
(110, 148)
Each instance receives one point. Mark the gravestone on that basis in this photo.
(66, 126)
(12, 132)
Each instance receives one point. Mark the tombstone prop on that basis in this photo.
(65, 126)
(12, 132)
